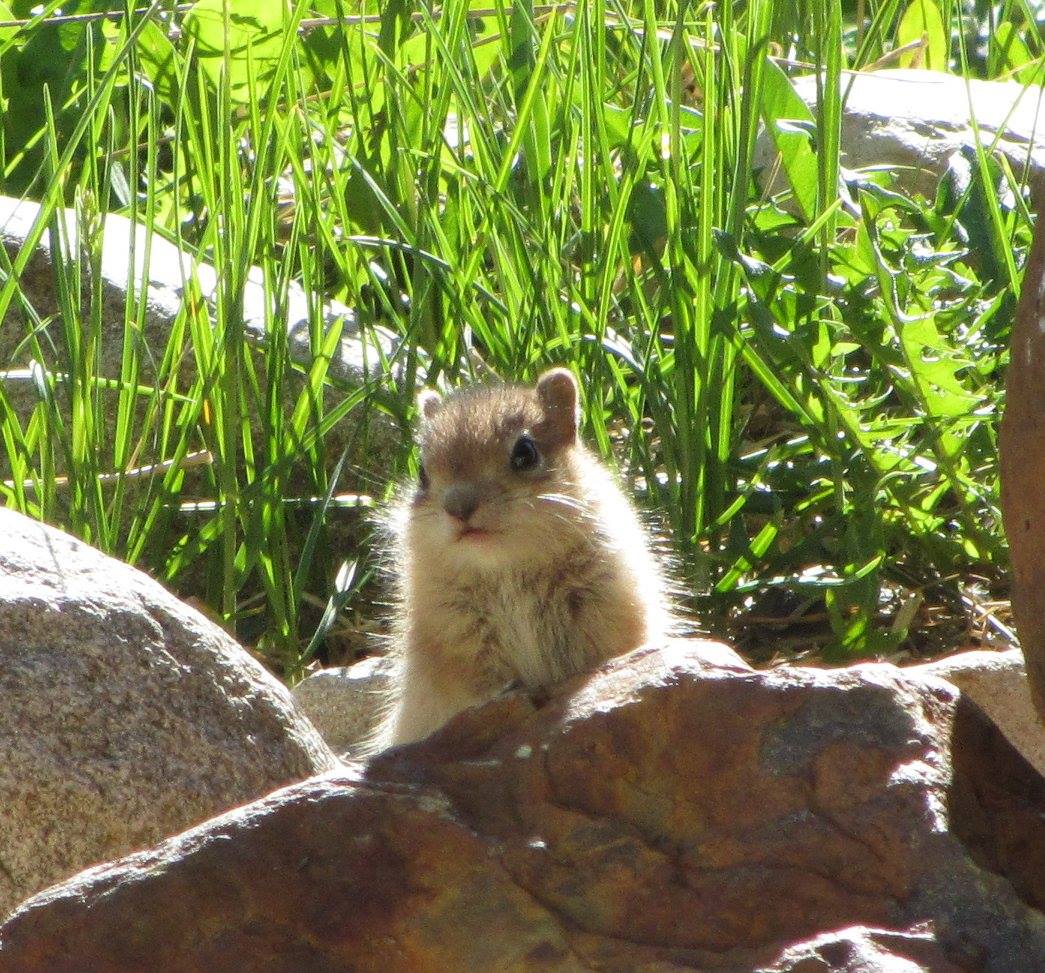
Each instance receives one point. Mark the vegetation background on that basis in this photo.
(805, 387)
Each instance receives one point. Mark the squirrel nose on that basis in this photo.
(461, 500)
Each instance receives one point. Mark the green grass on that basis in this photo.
(805, 391)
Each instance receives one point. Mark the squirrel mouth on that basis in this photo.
(473, 534)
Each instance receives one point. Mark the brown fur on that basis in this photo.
(560, 579)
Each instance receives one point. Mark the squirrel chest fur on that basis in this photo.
(518, 560)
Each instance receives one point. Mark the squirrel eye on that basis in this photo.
(422, 477)
(524, 455)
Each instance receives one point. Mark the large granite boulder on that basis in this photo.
(675, 810)
(125, 716)
(346, 703)
(919, 124)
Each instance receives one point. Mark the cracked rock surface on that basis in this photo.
(673, 811)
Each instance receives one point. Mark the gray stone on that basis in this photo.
(997, 683)
(916, 122)
(127, 716)
(345, 703)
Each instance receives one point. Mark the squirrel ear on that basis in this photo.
(558, 394)
(428, 403)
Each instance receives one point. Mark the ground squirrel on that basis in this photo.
(517, 558)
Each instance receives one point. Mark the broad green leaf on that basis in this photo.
(788, 121)
(923, 22)
(160, 61)
(249, 32)
(51, 64)
(1009, 54)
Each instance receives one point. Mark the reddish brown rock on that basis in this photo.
(665, 813)
(1023, 464)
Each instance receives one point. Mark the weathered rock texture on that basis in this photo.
(346, 703)
(1023, 464)
(919, 122)
(125, 716)
(673, 811)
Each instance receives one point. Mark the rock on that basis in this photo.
(997, 804)
(997, 683)
(863, 950)
(915, 122)
(345, 703)
(667, 812)
(1022, 459)
(126, 715)
(161, 284)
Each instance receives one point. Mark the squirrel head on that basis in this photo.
(498, 482)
